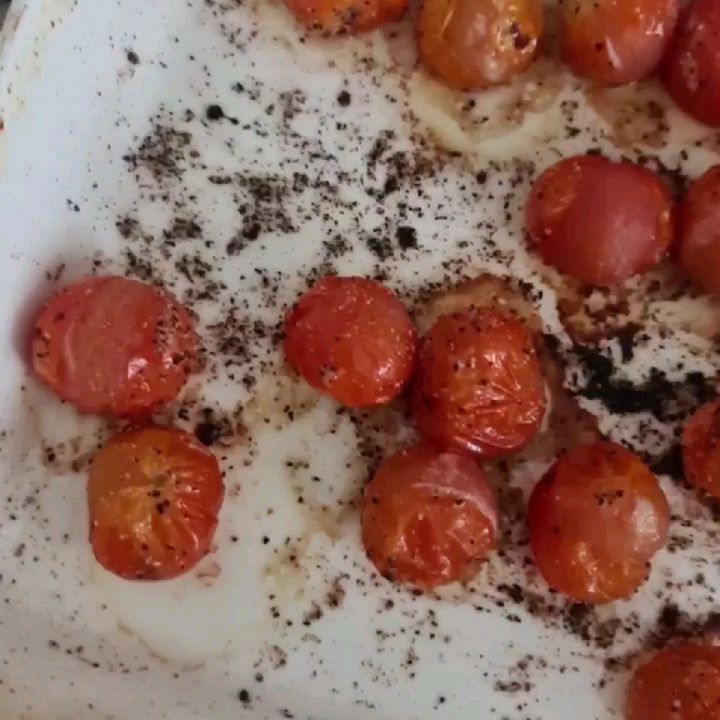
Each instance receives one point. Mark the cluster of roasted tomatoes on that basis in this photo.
(472, 44)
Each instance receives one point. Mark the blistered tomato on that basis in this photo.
(701, 448)
(336, 17)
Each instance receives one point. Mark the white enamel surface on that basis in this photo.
(81, 645)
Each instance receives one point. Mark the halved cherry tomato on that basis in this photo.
(338, 17)
(691, 69)
(615, 42)
(699, 250)
(352, 339)
(596, 520)
(477, 43)
(599, 221)
(428, 517)
(114, 346)
(154, 496)
(678, 683)
(478, 384)
(701, 448)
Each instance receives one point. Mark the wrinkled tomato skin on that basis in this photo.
(616, 42)
(678, 683)
(352, 339)
(596, 520)
(598, 221)
(428, 517)
(114, 346)
(701, 448)
(699, 222)
(472, 44)
(478, 384)
(340, 17)
(691, 68)
(154, 495)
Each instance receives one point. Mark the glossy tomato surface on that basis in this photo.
(114, 346)
(699, 247)
(352, 339)
(701, 448)
(478, 384)
(691, 69)
(473, 44)
(599, 221)
(428, 517)
(678, 683)
(615, 42)
(154, 496)
(596, 520)
(337, 17)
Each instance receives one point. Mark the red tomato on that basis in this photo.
(678, 683)
(352, 339)
(699, 251)
(691, 69)
(154, 496)
(599, 221)
(114, 346)
(338, 17)
(428, 517)
(701, 448)
(476, 43)
(615, 42)
(478, 384)
(596, 520)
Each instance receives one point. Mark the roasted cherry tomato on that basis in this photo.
(615, 42)
(596, 520)
(428, 517)
(338, 17)
(599, 221)
(477, 43)
(154, 496)
(701, 448)
(699, 247)
(691, 69)
(478, 384)
(352, 339)
(114, 346)
(678, 683)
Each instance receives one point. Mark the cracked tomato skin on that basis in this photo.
(428, 517)
(691, 68)
(154, 495)
(114, 346)
(339, 17)
(596, 520)
(472, 44)
(352, 339)
(699, 229)
(478, 384)
(678, 683)
(599, 221)
(616, 42)
(701, 448)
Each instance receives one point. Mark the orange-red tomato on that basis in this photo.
(428, 517)
(352, 339)
(154, 495)
(477, 43)
(478, 384)
(615, 42)
(691, 69)
(699, 247)
(338, 17)
(701, 448)
(114, 346)
(678, 683)
(596, 520)
(599, 221)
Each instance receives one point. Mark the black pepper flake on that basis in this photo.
(207, 433)
(406, 237)
(132, 57)
(244, 697)
(344, 98)
(214, 112)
